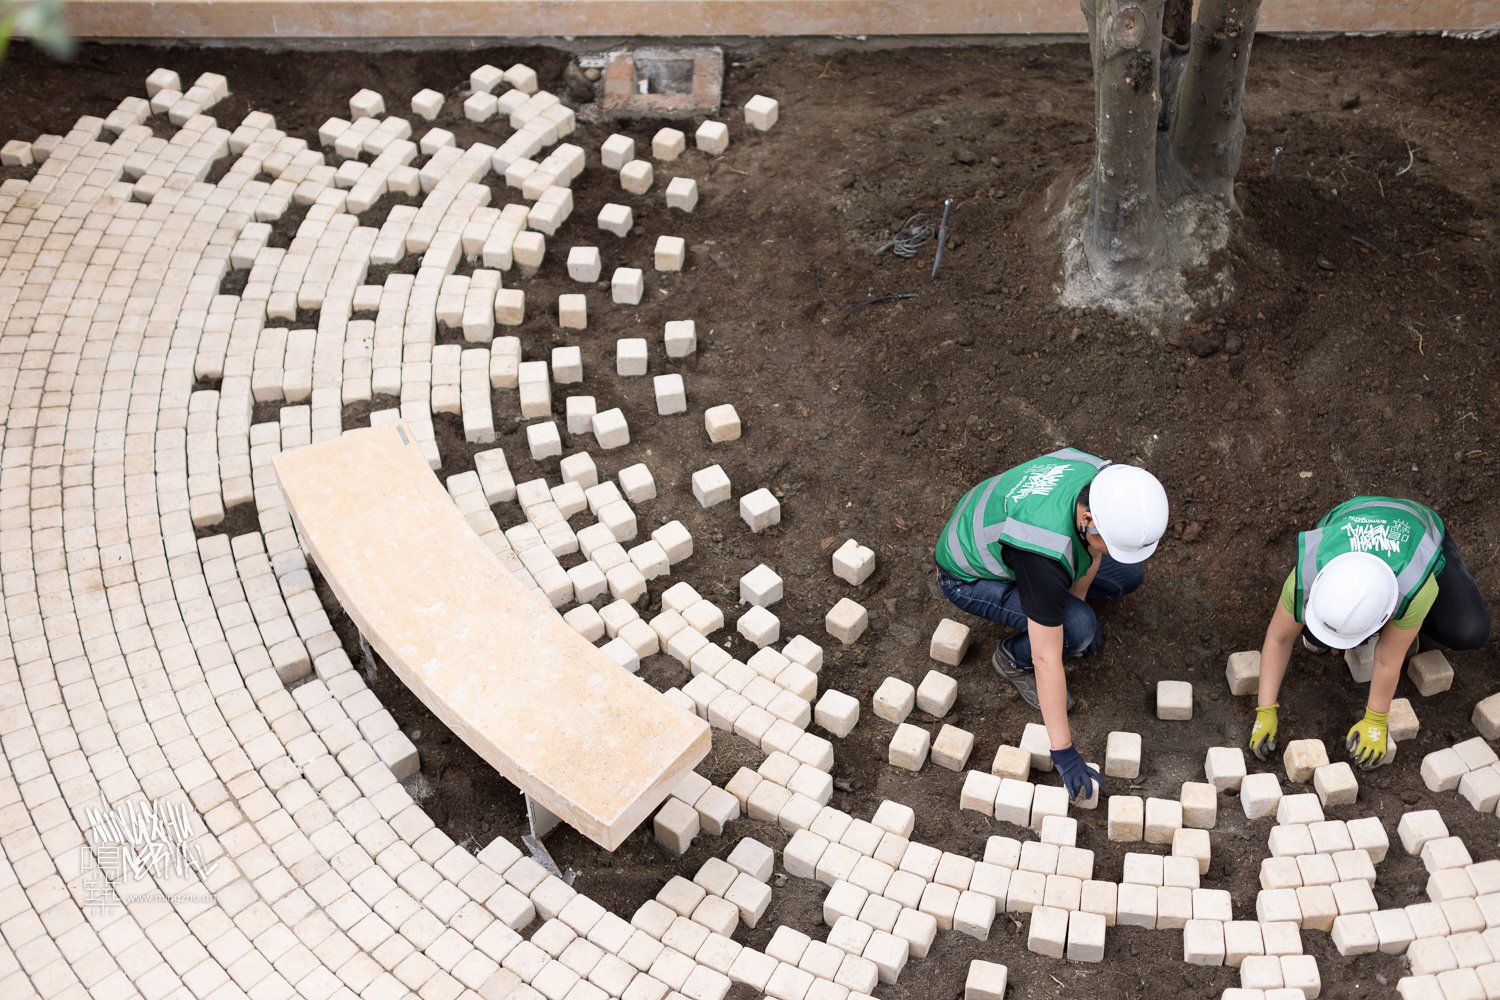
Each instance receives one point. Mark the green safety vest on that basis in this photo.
(1405, 535)
(1032, 507)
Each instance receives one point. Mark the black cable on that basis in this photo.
(850, 308)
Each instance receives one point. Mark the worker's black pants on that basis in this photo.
(1458, 619)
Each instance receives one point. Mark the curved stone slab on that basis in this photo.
(589, 741)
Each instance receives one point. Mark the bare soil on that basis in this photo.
(1357, 355)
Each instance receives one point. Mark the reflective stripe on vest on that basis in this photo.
(955, 544)
(1045, 523)
(1418, 512)
(1059, 545)
(1074, 455)
(1062, 545)
(1421, 561)
(983, 538)
(1306, 572)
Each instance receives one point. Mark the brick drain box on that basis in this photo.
(678, 83)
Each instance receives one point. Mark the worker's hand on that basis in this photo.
(1367, 740)
(1263, 733)
(1078, 777)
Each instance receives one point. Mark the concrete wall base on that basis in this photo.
(458, 19)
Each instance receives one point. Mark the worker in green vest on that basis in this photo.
(1379, 570)
(1027, 547)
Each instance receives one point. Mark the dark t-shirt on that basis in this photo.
(1043, 584)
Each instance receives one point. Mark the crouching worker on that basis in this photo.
(1027, 548)
(1379, 570)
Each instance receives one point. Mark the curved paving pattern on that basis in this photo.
(146, 661)
(146, 658)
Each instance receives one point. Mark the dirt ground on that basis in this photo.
(1357, 356)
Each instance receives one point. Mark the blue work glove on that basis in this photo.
(1076, 774)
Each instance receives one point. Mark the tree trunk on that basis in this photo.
(1207, 130)
(1123, 226)
(1177, 21)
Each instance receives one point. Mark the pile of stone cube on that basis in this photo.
(532, 550)
(909, 747)
(766, 699)
(1015, 801)
(685, 934)
(695, 804)
(1470, 768)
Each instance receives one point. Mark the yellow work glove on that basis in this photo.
(1263, 735)
(1367, 740)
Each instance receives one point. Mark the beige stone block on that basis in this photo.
(712, 137)
(1163, 819)
(1430, 672)
(950, 640)
(1302, 757)
(1174, 700)
(952, 747)
(894, 700)
(1402, 722)
(909, 747)
(1243, 672)
(846, 621)
(1199, 805)
(722, 423)
(1011, 762)
(1122, 755)
(761, 113)
(637, 176)
(1127, 818)
(670, 253)
(937, 693)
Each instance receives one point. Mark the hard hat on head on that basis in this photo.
(1130, 511)
(1350, 599)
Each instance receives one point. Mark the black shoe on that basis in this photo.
(1023, 679)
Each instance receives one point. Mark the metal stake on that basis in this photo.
(942, 235)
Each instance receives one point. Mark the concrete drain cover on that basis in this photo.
(663, 83)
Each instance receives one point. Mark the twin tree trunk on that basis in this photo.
(1167, 123)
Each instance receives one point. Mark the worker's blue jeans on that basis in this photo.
(1000, 601)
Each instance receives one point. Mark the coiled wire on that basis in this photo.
(910, 238)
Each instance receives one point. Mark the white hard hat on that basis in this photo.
(1350, 600)
(1130, 511)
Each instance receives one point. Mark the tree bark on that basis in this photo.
(1090, 14)
(1208, 130)
(1123, 226)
